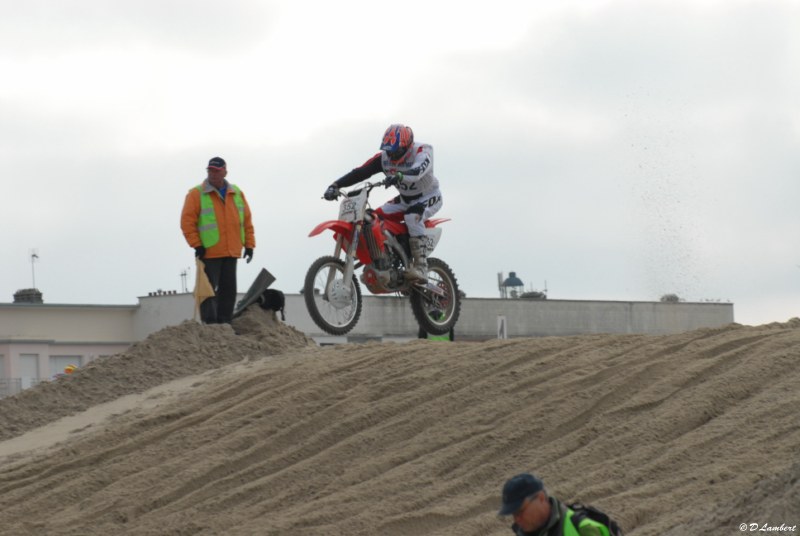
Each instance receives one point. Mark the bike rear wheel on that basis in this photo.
(437, 304)
(334, 305)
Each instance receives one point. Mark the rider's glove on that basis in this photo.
(393, 180)
(248, 254)
(199, 252)
(331, 193)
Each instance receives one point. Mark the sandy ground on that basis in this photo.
(200, 431)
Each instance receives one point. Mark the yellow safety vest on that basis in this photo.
(570, 530)
(207, 222)
(445, 337)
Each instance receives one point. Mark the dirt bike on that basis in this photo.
(379, 244)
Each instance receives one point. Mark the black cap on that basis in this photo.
(216, 163)
(516, 490)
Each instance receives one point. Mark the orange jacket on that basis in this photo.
(230, 241)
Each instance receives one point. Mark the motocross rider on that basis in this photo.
(409, 167)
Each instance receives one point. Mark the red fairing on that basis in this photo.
(362, 252)
(393, 224)
(345, 230)
(435, 221)
(397, 226)
(337, 226)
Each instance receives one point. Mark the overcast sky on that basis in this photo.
(608, 150)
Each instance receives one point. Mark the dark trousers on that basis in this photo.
(221, 273)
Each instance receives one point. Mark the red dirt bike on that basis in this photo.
(379, 244)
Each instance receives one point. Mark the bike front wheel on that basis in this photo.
(333, 303)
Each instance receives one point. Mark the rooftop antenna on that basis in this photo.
(34, 253)
(184, 275)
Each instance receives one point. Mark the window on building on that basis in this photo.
(28, 369)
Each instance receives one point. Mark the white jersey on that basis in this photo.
(417, 169)
(419, 197)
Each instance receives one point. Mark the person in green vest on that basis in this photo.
(436, 315)
(535, 513)
(216, 222)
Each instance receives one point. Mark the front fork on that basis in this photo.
(349, 263)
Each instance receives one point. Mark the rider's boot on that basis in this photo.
(418, 271)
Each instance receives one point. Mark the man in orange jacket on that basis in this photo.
(217, 223)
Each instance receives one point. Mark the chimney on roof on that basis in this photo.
(28, 295)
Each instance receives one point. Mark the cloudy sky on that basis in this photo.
(605, 150)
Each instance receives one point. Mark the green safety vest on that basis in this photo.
(570, 530)
(445, 337)
(207, 222)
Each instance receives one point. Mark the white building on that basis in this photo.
(38, 340)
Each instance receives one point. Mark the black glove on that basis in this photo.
(393, 180)
(248, 254)
(331, 193)
(199, 252)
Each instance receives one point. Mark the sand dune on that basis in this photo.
(199, 431)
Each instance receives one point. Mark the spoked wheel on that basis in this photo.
(333, 303)
(437, 304)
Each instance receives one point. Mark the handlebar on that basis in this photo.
(368, 185)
